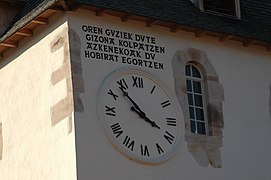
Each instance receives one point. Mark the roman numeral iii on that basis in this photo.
(171, 121)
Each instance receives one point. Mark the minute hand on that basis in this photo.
(131, 100)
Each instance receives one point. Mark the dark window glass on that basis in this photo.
(198, 100)
(195, 99)
(190, 99)
(199, 114)
(219, 6)
(191, 113)
(187, 70)
(201, 128)
(195, 72)
(189, 85)
(197, 87)
(193, 126)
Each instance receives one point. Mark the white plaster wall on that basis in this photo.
(32, 147)
(245, 75)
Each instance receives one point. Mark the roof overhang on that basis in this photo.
(40, 15)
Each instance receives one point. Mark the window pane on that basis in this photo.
(189, 85)
(191, 113)
(187, 70)
(198, 100)
(195, 72)
(193, 126)
(225, 7)
(197, 87)
(199, 114)
(201, 128)
(190, 99)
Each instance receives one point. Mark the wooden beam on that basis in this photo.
(56, 9)
(247, 43)
(65, 5)
(40, 20)
(224, 37)
(9, 43)
(1, 55)
(200, 33)
(174, 28)
(25, 32)
(100, 12)
(151, 23)
(125, 18)
(268, 48)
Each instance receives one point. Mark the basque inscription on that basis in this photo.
(122, 47)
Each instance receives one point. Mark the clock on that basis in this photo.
(140, 116)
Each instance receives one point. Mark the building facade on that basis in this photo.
(135, 90)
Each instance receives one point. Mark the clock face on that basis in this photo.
(140, 116)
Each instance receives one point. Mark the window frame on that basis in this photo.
(237, 9)
(202, 95)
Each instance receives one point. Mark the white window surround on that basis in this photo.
(200, 5)
(204, 148)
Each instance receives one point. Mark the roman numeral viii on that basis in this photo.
(116, 128)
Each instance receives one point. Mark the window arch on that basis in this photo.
(196, 100)
(191, 67)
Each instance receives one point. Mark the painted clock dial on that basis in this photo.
(140, 115)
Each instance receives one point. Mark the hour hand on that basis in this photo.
(143, 116)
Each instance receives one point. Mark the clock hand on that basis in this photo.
(131, 100)
(143, 116)
(137, 109)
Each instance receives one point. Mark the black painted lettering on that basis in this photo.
(144, 150)
(171, 121)
(116, 128)
(169, 137)
(159, 149)
(110, 111)
(110, 92)
(137, 82)
(152, 90)
(129, 143)
(165, 103)
(123, 85)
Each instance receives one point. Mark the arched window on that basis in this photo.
(196, 101)
(200, 95)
